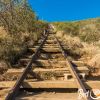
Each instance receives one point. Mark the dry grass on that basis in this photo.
(2, 31)
(13, 46)
(3, 67)
(95, 61)
(60, 34)
(86, 30)
(82, 38)
(90, 49)
(72, 41)
(73, 44)
(89, 53)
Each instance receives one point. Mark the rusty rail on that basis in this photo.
(13, 92)
(73, 71)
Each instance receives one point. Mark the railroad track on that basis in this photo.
(46, 66)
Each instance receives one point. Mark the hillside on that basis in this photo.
(86, 30)
(19, 29)
(82, 38)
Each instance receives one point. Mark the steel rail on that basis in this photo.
(73, 72)
(13, 92)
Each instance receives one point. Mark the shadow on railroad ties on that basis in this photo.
(34, 92)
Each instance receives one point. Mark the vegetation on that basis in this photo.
(87, 30)
(19, 28)
(82, 38)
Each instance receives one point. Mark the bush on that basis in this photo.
(20, 30)
(87, 30)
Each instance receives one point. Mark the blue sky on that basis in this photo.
(66, 10)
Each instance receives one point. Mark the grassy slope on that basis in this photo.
(86, 30)
(82, 37)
